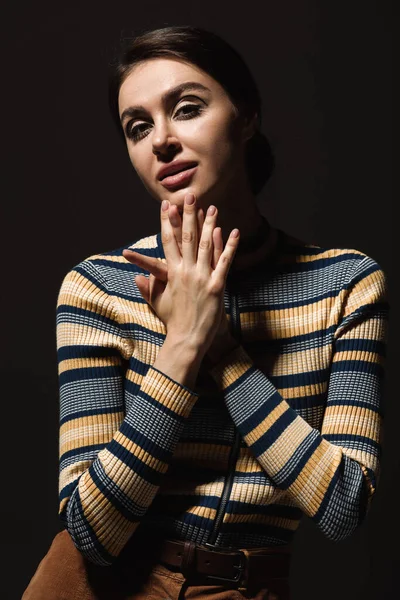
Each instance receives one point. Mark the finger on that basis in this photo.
(155, 290)
(218, 244)
(170, 245)
(226, 258)
(200, 220)
(176, 224)
(205, 252)
(151, 264)
(189, 230)
(143, 286)
(200, 223)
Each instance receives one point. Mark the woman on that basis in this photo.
(213, 388)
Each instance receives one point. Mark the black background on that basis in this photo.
(324, 72)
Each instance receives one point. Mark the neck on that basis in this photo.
(257, 236)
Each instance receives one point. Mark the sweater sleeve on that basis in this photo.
(111, 461)
(331, 474)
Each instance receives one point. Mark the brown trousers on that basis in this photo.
(64, 574)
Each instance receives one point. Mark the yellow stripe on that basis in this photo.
(286, 322)
(311, 485)
(352, 420)
(86, 363)
(89, 430)
(202, 511)
(113, 539)
(266, 423)
(308, 258)
(71, 473)
(285, 523)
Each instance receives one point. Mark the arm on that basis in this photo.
(111, 463)
(332, 475)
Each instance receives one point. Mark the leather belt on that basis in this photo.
(227, 565)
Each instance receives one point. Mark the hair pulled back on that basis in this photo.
(215, 57)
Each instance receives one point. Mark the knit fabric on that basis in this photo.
(301, 395)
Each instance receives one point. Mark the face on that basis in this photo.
(198, 124)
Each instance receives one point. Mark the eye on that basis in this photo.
(139, 131)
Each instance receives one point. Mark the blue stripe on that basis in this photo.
(161, 407)
(77, 452)
(346, 345)
(358, 366)
(272, 434)
(79, 414)
(64, 310)
(361, 439)
(260, 414)
(175, 504)
(303, 458)
(86, 373)
(112, 497)
(133, 462)
(86, 351)
(273, 510)
(144, 442)
(96, 545)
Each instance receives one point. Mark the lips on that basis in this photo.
(178, 171)
(179, 179)
(173, 169)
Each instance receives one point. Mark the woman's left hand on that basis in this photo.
(223, 341)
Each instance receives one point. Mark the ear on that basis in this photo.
(249, 127)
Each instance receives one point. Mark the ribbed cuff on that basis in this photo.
(170, 393)
(232, 366)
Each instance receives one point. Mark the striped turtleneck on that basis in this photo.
(287, 424)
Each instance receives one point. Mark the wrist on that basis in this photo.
(180, 361)
(220, 349)
(188, 352)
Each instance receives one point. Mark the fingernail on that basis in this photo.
(235, 233)
(164, 205)
(211, 210)
(189, 199)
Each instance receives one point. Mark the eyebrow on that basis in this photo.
(137, 111)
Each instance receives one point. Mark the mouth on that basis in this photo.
(190, 166)
(177, 180)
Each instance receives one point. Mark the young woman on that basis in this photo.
(214, 387)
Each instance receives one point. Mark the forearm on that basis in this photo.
(107, 502)
(331, 483)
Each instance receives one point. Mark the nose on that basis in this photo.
(164, 138)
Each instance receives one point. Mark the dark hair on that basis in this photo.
(215, 57)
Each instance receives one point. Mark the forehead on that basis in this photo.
(150, 79)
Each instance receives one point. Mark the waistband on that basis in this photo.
(241, 567)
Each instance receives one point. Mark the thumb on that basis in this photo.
(143, 284)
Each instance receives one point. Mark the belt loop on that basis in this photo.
(245, 577)
(188, 558)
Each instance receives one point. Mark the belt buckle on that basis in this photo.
(239, 576)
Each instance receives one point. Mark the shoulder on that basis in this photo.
(107, 276)
(108, 265)
(347, 261)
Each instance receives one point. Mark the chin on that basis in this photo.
(203, 197)
(178, 197)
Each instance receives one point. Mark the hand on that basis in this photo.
(223, 337)
(182, 306)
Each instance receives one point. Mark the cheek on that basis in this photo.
(212, 138)
(141, 164)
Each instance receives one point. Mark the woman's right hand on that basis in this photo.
(191, 302)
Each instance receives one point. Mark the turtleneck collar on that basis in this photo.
(255, 251)
(261, 249)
